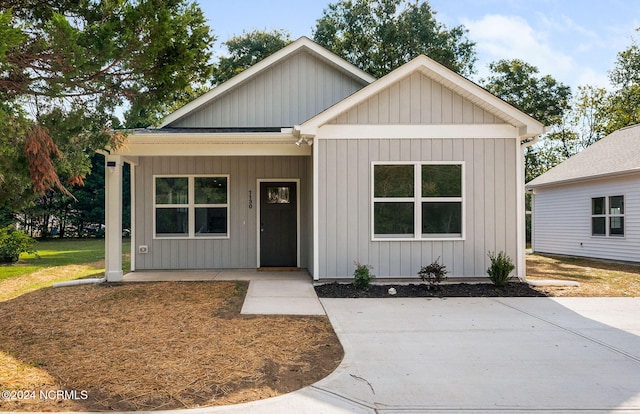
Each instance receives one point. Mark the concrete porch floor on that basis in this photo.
(269, 293)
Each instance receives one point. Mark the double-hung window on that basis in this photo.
(191, 206)
(417, 200)
(607, 216)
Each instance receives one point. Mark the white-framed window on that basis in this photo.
(191, 206)
(417, 200)
(607, 216)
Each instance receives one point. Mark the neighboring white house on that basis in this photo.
(589, 205)
(303, 160)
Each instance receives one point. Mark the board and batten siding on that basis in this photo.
(286, 94)
(562, 219)
(345, 198)
(239, 250)
(416, 99)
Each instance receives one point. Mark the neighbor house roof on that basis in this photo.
(302, 44)
(528, 126)
(618, 153)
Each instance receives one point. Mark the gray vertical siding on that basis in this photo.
(284, 95)
(416, 99)
(239, 250)
(345, 206)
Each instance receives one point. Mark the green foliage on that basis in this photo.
(501, 267)
(434, 273)
(246, 50)
(362, 275)
(624, 102)
(378, 36)
(13, 243)
(71, 64)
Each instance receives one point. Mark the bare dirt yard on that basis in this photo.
(117, 347)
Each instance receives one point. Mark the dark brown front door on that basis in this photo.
(278, 224)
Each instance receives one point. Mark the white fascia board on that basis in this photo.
(332, 131)
(301, 43)
(529, 126)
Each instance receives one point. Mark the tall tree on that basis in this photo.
(380, 35)
(624, 103)
(66, 66)
(246, 50)
(541, 97)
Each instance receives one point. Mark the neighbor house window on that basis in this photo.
(191, 206)
(607, 216)
(417, 200)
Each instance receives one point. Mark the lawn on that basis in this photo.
(596, 277)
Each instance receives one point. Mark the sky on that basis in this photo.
(574, 41)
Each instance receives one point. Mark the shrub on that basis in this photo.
(362, 275)
(433, 273)
(501, 266)
(14, 242)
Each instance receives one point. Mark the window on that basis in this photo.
(607, 216)
(417, 201)
(191, 206)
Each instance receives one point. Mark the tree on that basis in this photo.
(246, 50)
(66, 66)
(380, 35)
(624, 103)
(541, 97)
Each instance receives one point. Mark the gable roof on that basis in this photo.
(302, 44)
(528, 126)
(617, 153)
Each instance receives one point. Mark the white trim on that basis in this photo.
(259, 203)
(439, 73)
(316, 212)
(335, 131)
(302, 43)
(132, 191)
(417, 200)
(113, 219)
(521, 223)
(191, 206)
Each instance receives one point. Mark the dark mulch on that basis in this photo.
(449, 290)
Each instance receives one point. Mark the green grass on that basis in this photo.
(57, 260)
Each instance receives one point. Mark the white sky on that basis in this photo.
(575, 41)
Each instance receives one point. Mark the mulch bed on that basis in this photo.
(448, 290)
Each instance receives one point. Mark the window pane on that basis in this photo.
(597, 205)
(442, 181)
(172, 221)
(616, 226)
(210, 190)
(598, 226)
(442, 218)
(393, 181)
(278, 195)
(393, 219)
(212, 220)
(616, 205)
(172, 190)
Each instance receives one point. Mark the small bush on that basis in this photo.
(14, 242)
(501, 266)
(362, 275)
(433, 273)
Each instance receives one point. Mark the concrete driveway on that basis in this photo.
(475, 355)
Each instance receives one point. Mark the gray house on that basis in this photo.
(589, 205)
(305, 161)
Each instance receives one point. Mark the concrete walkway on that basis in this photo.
(269, 293)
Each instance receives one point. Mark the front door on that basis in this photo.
(278, 224)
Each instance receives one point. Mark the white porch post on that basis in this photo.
(113, 218)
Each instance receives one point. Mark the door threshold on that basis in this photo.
(279, 269)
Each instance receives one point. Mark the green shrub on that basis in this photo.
(14, 242)
(362, 275)
(501, 266)
(433, 273)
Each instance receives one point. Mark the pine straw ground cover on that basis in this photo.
(155, 346)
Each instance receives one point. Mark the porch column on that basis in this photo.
(113, 218)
